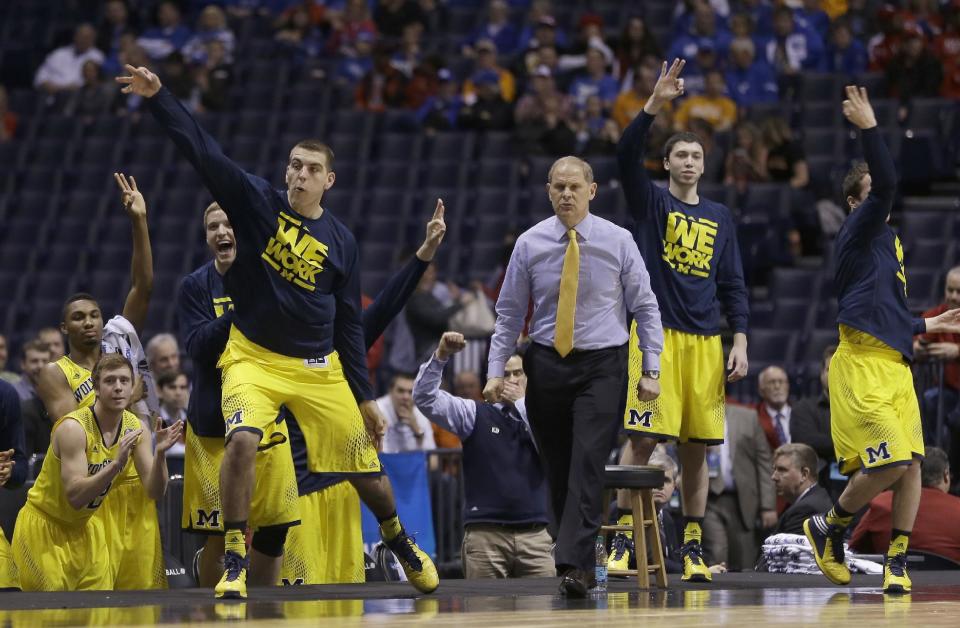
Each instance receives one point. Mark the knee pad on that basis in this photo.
(269, 540)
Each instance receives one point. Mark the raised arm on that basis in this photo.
(872, 212)
(642, 304)
(222, 177)
(451, 413)
(732, 293)
(511, 311)
(141, 264)
(84, 490)
(348, 337)
(203, 333)
(54, 392)
(637, 186)
(152, 464)
(401, 285)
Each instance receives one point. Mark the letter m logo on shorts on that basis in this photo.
(287, 582)
(205, 520)
(880, 453)
(235, 419)
(643, 420)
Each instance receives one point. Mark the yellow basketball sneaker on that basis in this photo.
(826, 541)
(694, 569)
(621, 550)
(419, 569)
(895, 578)
(233, 584)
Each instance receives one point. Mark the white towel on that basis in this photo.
(119, 336)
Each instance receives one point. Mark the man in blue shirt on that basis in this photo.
(505, 501)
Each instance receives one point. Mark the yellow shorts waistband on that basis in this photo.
(859, 342)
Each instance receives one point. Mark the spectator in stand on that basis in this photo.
(812, 18)
(8, 119)
(774, 409)
(935, 529)
(95, 97)
(213, 77)
(407, 428)
(695, 82)
(760, 13)
(6, 375)
(704, 31)
(410, 50)
(883, 46)
(862, 17)
(540, 28)
(316, 14)
(943, 348)
(392, 17)
(497, 29)
(53, 338)
(590, 35)
(346, 26)
(427, 313)
(914, 71)
(486, 60)
(178, 78)
(946, 47)
(549, 57)
(544, 118)
(36, 423)
(745, 161)
(795, 478)
(441, 111)
(169, 35)
(486, 110)
(845, 54)
(163, 354)
(636, 43)
(629, 102)
(785, 162)
(792, 50)
(173, 389)
(115, 23)
(435, 17)
(597, 134)
(211, 26)
(749, 80)
(424, 83)
(62, 70)
(297, 34)
(597, 81)
(353, 67)
(810, 420)
(714, 106)
(925, 14)
(383, 86)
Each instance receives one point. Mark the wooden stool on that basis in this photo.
(639, 482)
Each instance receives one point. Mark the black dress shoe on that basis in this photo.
(574, 584)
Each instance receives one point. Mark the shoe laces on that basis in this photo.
(620, 546)
(835, 533)
(693, 551)
(403, 547)
(897, 564)
(233, 564)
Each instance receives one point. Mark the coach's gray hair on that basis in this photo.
(660, 458)
(158, 340)
(574, 161)
(935, 463)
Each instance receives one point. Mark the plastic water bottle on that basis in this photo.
(601, 565)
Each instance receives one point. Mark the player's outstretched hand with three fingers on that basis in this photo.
(139, 81)
(669, 85)
(436, 229)
(857, 108)
(130, 195)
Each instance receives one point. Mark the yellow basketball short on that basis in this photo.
(275, 498)
(256, 382)
(691, 403)
(9, 579)
(874, 414)
(53, 556)
(327, 546)
(132, 531)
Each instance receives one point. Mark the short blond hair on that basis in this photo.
(575, 161)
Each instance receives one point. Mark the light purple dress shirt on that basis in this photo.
(613, 280)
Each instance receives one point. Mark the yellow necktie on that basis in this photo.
(567, 303)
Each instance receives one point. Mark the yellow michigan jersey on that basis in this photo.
(327, 546)
(55, 546)
(9, 579)
(691, 402)
(129, 516)
(874, 413)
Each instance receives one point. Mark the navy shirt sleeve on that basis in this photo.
(348, 338)
(871, 216)
(11, 433)
(391, 299)
(731, 287)
(204, 334)
(637, 186)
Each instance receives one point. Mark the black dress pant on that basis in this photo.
(575, 407)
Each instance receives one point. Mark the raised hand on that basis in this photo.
(450, 342)
(857, 108)
(139, 81)
(130, 195)
(436, 229)
(167, 437)
(669, 85)
(946, 323)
